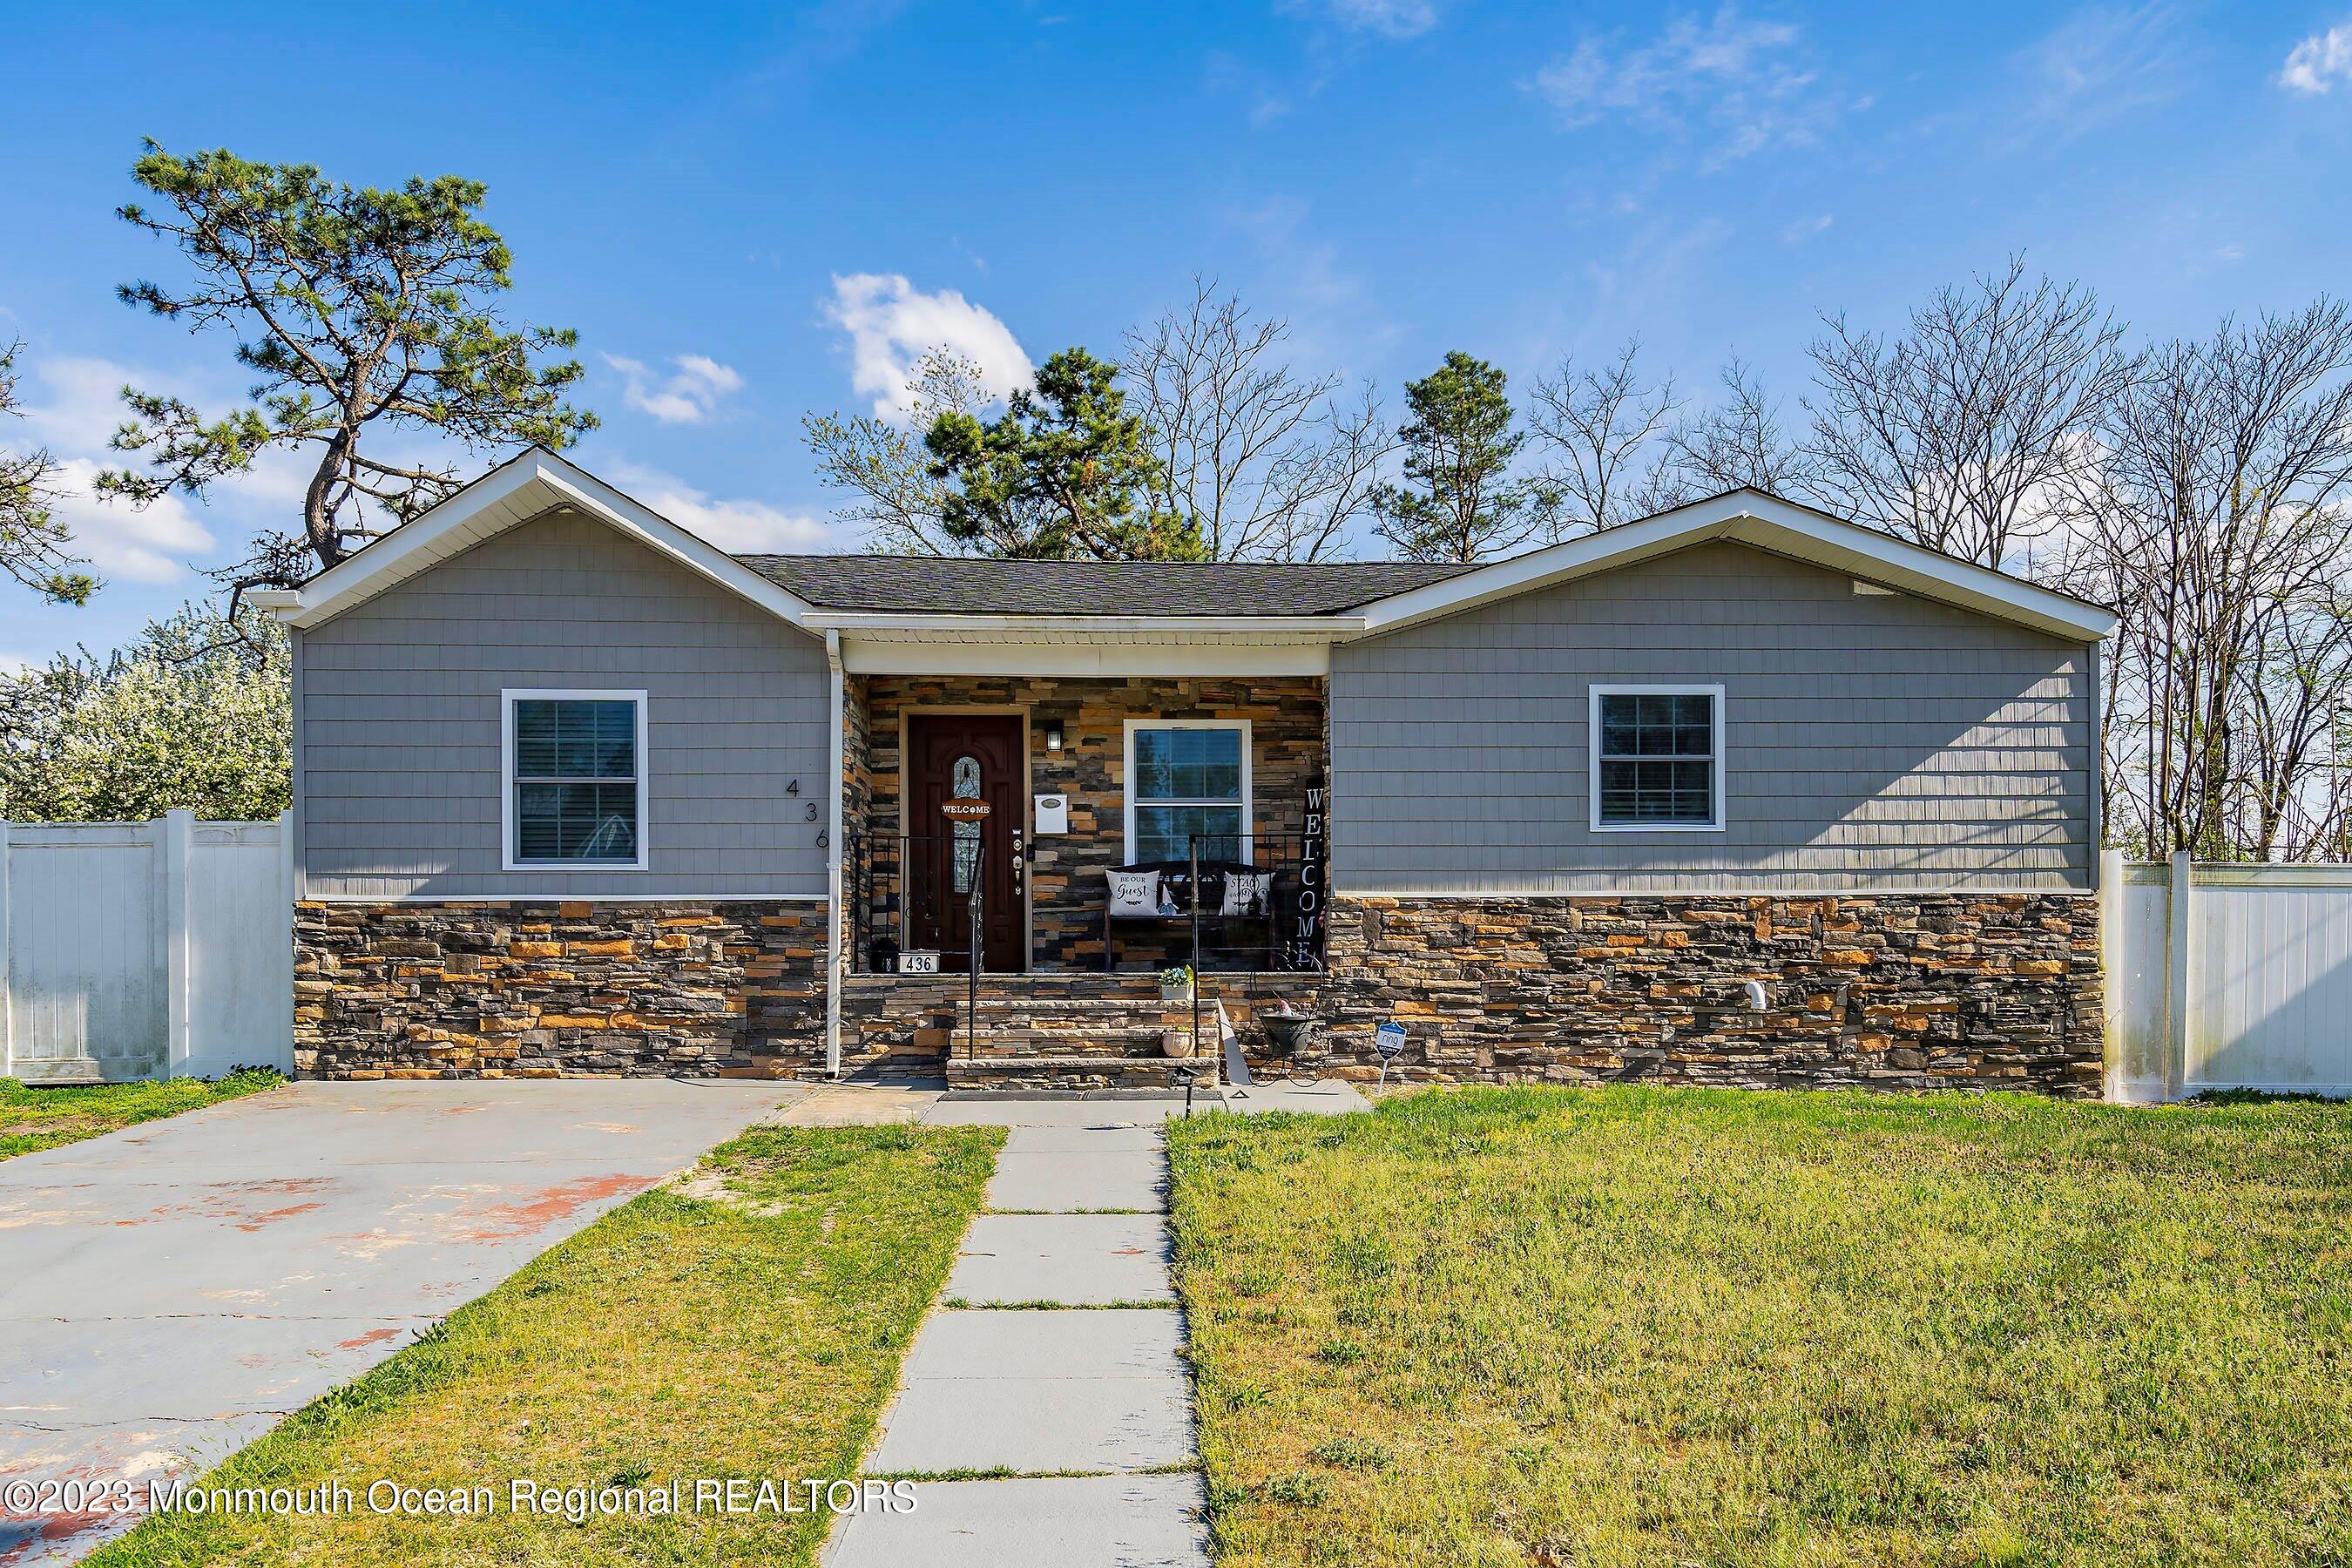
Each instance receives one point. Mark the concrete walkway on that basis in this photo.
(1058, 1359)
(168, 1292)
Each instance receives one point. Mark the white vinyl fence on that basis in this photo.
(133, 949)
(2227, 977)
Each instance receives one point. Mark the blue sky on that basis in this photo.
(758, 211)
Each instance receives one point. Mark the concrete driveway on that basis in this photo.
(167, 1293)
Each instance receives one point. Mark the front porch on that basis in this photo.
(1082, 777)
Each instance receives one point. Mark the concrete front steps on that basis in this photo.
(1152, 1074)
(1047, 1034)
(1063, 1045)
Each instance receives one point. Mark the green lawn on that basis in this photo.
(752, 1329)
(33, 1119)
(1656, 1326)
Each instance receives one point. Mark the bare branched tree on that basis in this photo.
(1594, 427)
(1271, 465)
(2217, 518)
(1959, 432)
(883, 467)
(1739, 442)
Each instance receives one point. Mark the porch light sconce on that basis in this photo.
(1054, 736)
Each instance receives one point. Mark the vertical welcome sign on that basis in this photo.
(1305, 947)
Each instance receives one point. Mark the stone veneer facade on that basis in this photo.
(530, 989)
(1884, 991)
(1971, 991)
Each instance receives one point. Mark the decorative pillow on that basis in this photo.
(1134, 895)
(1245, 892)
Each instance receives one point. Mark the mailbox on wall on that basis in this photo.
(1051, 814)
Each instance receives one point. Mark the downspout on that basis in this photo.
(837, 703)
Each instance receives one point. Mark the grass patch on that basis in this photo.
(1642, 1326)
(33, 1119)
(754, 1332)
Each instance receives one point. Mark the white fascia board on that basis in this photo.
(537, 481)
(1131, 657)
(1868, 553)
(1767, 522)
(282, 603)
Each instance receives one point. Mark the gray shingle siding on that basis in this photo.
(1871, 741)
(398, 776)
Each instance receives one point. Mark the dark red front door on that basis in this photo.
(969, 756)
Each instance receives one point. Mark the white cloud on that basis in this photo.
(140, 546)
(1389, 18)
(890, 323)
(82, 405)
(688, 397)
(2320, 61)
(735, 525)
(1804, 229)
(81, 408)
(1734, 74)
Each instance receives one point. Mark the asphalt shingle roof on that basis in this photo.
(955, 586)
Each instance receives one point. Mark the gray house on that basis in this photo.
(1740, 793)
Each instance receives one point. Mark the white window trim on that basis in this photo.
(1249, 848)
(1592, 758)
(507, 834)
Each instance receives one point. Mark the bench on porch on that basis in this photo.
(1175, 908)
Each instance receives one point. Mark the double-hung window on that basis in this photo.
(576, 779)
(1657, 758)
(1187, 776)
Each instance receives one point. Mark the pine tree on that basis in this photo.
(360, 312)
(1065, 474)
(1459, 448)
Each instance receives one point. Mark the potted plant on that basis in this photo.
(1176, 985)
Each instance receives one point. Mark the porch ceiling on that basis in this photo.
(1092, 645)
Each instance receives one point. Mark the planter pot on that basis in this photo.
(1175, 996)
(1175, 1042)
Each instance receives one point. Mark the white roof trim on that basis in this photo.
(514, 492)
(537, 480)
(1765, 522)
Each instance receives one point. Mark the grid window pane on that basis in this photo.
(1188, 780)
(577, 822)
(1164, 832)
(1188, 764)
(575, 780)
(1658, 759)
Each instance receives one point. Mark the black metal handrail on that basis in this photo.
(893, 875)
(1295, 911)
(1296, 895)
(971, 965)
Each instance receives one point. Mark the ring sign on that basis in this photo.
(1389, 1041)
(961, 810)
